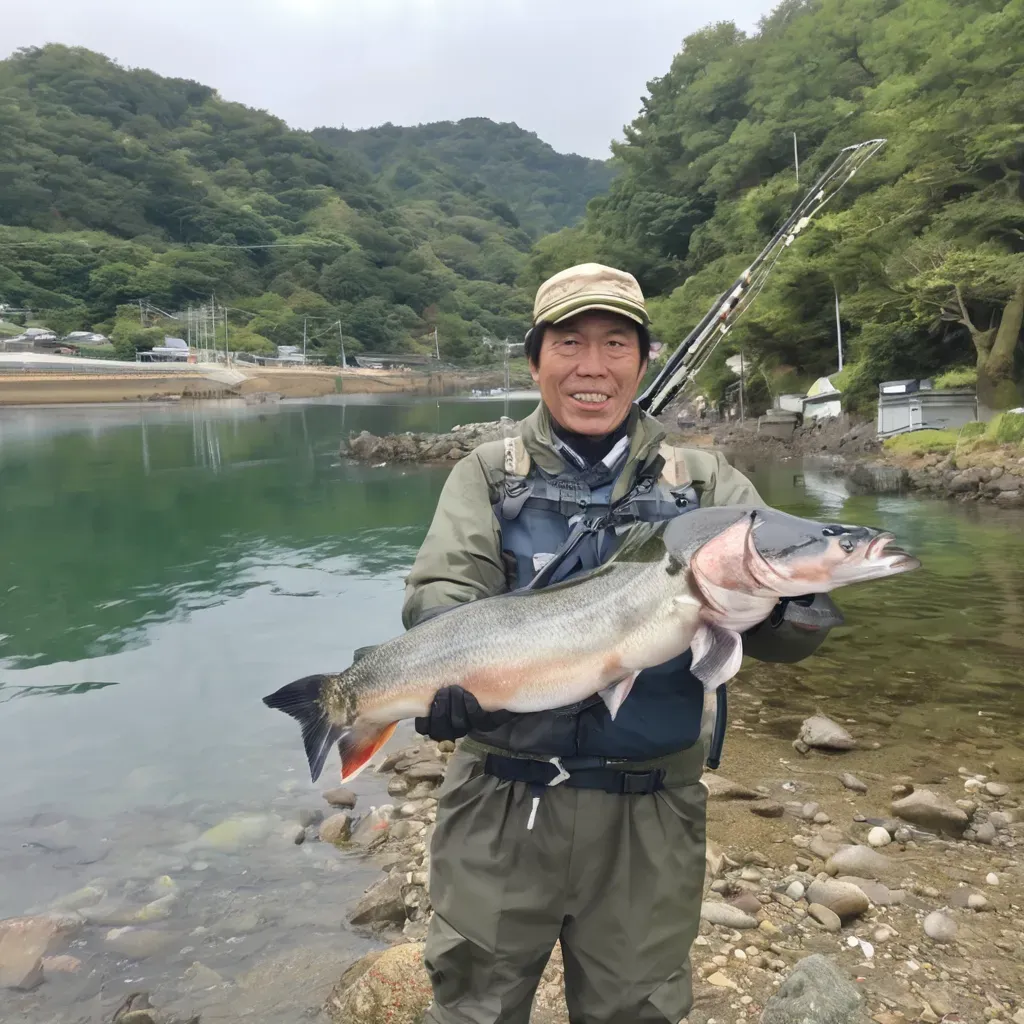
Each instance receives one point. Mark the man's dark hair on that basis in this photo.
(535, 336)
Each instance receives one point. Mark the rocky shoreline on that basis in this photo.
(833, 893)
(990, 474)
(911, 915)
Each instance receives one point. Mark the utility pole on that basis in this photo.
(437, 347)
(839, 330)
(341, 336)
(142, 319)
(742, 414)
(227, 351)
(305, 320)
(796, 159)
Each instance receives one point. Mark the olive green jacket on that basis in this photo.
(460, 559)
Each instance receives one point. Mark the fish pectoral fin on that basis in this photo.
(358, 743)
(302, 700)
(717, 655)
(614, 695)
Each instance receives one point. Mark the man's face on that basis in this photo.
(588, 371)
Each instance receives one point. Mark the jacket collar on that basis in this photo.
(644, 431)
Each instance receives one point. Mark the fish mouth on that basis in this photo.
(881, 549)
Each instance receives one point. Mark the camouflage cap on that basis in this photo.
(589, 286)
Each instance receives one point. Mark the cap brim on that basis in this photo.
(560, 315)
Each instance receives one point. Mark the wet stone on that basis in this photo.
(852, 783)
(767, 809)
(341, 797)
(826, 918)
(726, 916)
(939, 927)
(822, 733)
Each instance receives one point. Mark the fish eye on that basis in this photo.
(847, 545)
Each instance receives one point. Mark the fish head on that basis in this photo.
(765, 553)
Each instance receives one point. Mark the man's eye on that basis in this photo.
(569, 341)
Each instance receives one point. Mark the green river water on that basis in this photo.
(162, 568)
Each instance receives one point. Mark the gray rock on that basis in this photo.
(822, 847)
(138, 943)
(721, 788)
(295, 834)
(767, 809)
(879, 837)
(829, 920)
(853, 783)
(931, 811)
(879, 894)
(796, 891)
(809, 810)
(824, 734)
(382, 903)
(815, 992)
(336, 829)
(405, 828)
(977, 902)
(726, 916)
(859, 860)
(985, 834)
(373, 827)
(996, 789)
(939, 927)
(432, 769)
(846, 901)
(341, 797)
(999, 819)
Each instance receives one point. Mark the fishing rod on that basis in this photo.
(695, 349)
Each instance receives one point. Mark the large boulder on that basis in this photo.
(381, 904)
(815, 992)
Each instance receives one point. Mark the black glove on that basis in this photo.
(456, 712)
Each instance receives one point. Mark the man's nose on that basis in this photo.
(591, 362)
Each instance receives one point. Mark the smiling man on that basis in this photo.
(564, 826)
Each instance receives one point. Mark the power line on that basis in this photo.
(178, 245)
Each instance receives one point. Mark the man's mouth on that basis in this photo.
(590, 397)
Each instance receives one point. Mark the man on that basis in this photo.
(564, 825)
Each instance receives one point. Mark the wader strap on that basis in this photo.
(718, 733)
(556, 772)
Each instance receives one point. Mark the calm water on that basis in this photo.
(161, 569)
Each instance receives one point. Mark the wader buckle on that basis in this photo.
(562, 773)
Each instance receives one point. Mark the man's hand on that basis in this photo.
(456, 712)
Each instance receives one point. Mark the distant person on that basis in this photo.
(564, 825)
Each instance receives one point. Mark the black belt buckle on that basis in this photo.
(641, 783)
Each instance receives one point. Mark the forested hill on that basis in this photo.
(121, 184)
(547, 190)
(925, 246)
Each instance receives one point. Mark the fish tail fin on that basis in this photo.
(358, 743)
(303, 700)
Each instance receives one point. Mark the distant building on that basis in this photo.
(823, 401)
(905, 405)
(173, 350)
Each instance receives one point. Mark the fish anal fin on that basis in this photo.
(358, 744)
(717, 655)
(303, 700)
(614, 695)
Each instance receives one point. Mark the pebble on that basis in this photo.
(821, 818)
(801, 841)
(879, 836)
(976, 901)
(1000, 819)
(991, 878)
(996, 789)
(853, 783)
(845, 900)
(796, 891)
(825, 917)
(939, 927)
(726, 916)
(137, 943)
(882, 934)
(750, 874)
(931, 811)
(809, 810)
(719, 980)
(767, 809)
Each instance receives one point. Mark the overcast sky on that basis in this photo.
(573, 71)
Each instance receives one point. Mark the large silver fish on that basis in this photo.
(697, 581)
